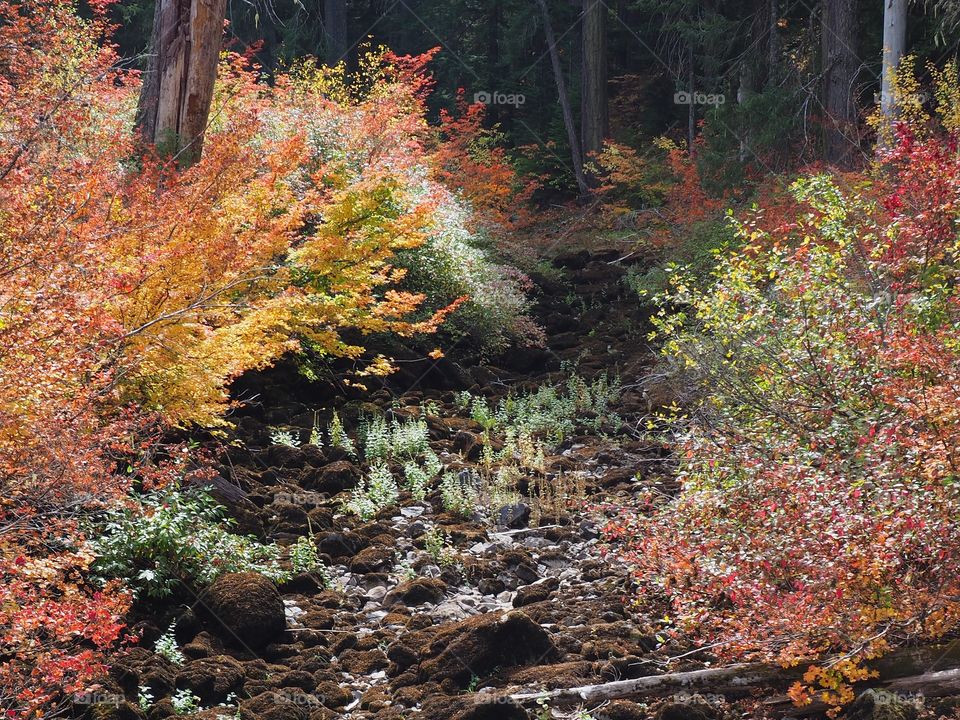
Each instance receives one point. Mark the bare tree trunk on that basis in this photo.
(594, 113)
(335, 26)
(838, 39)
(494, 20)
(894, 47)
(692, 109)
(745, 91)
(575, 153)
(773, 42)
(177, 90)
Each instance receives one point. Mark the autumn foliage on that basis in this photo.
(473, 164)
(818, 514)
(132, 292)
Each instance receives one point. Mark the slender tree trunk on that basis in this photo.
(620, 50)
(894, 48)
(745, 91)
(692, 109)
(773, 41)
(575, 153)
(594, 113)
(838, 39)
(178, 84)
(494, 19)
(756, 66)
(335, 27)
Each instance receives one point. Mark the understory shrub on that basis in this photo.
(405, 440)
(438, 174)
(696, 251)
(819, 469)
(173, 536)
(377, 491)
(383, 439)
(552, 412)
(457, 262)
(305, 558)
(460, 493)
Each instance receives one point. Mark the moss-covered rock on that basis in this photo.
(245, 609)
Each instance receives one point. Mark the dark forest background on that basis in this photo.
(763, 73)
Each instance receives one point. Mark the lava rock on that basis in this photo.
(277, 706)
(467, 444)
(559, 322)
(514, 516)
(285, 456)
(286, 517)
(340, 545)
(138, 667)
(115, 711)
(526, 573)
(416, 592)
(363, 662)
(479, 644)
(248, 607)
(321, 518)
(491, 586)
(332, 695)
(305, 583)
(332, 478)
(526, 358)
(624, 710)
(372, 559)
(300, 679)
(161, 710)
(538, 592)
(402, 657)
(218, 713)
(211, 679)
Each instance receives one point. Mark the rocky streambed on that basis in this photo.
(421, 612)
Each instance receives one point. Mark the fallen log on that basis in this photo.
(919, 670)
(742, 676)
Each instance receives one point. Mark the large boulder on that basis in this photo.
(477, 645)
(246, 608)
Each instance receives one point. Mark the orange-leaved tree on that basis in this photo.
(132, 291)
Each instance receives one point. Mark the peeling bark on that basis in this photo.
(177, 90)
